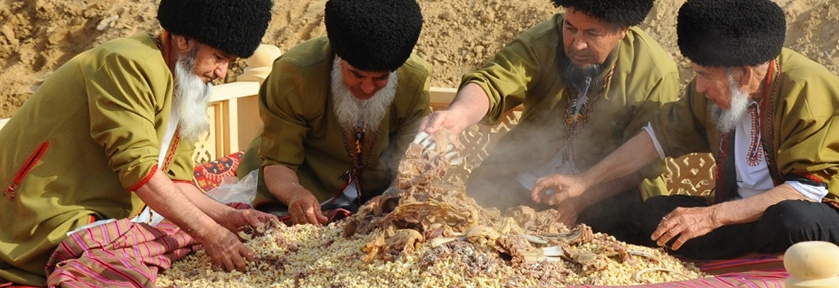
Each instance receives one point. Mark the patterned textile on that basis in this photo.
(211, 174)
(117, 254)
(758, 279)
(751, 262)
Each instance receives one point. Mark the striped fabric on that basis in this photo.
(117, 254)
(756, 279)
(750, 262)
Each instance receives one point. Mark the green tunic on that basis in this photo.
(798, 122)
(89, 135)
(302, 132)
(524, 72)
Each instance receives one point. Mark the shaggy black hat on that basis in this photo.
(373, 35)
(730, 33)
(233, 26)
(623, 13)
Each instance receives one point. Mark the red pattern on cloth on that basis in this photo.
(117, 254)
(211, 174)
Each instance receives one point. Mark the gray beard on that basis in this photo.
(352, 112)
(727, 119)
(191, 99)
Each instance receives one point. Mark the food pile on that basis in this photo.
(431, 234)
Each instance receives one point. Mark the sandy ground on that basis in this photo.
(37, 36)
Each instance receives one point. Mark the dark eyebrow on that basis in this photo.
(565, 21)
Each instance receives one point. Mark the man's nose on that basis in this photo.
(368, 87)
(700, 87)
(221, 71)
(578, 44)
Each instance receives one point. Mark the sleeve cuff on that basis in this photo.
(649, 129)
(816, 193)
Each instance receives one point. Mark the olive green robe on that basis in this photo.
(800, 123)
(525, 72)
(302, 132)
(88, 136)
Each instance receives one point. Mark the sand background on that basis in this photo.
(37, 36)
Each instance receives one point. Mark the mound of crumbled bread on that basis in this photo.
(431, 234)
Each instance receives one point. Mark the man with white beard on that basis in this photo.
(109, 136)
(339, 111)
(767, 113)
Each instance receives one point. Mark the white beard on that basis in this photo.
(351, 111)
(191, 99)
(728, 119)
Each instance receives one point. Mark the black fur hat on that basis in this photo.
(373, 35)
(233, 26)
(730, 33)
(623, 13)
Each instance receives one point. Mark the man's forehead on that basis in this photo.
(706, 70)
(373, 74)
(217, 51)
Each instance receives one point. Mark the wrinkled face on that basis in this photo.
(363, 84)
(588, 40)
(210, 63)
(714, 83)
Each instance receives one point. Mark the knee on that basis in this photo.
(651, 212)
(657, 207)
(787, 216)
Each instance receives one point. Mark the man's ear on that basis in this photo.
(748, 78)
(183, 43)
(622, 32)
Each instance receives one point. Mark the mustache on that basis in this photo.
(583, 53)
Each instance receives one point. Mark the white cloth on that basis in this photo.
(751, 180)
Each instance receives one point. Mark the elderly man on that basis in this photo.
(339, 111)
(110, 134)
(768, 115)
(589, 80)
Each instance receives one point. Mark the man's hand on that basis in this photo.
(236, 219)
(442, 119)
(225, 249)
(469, 106)
(686, 223)
(304, 208)
(555, 189)
(568, 212)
